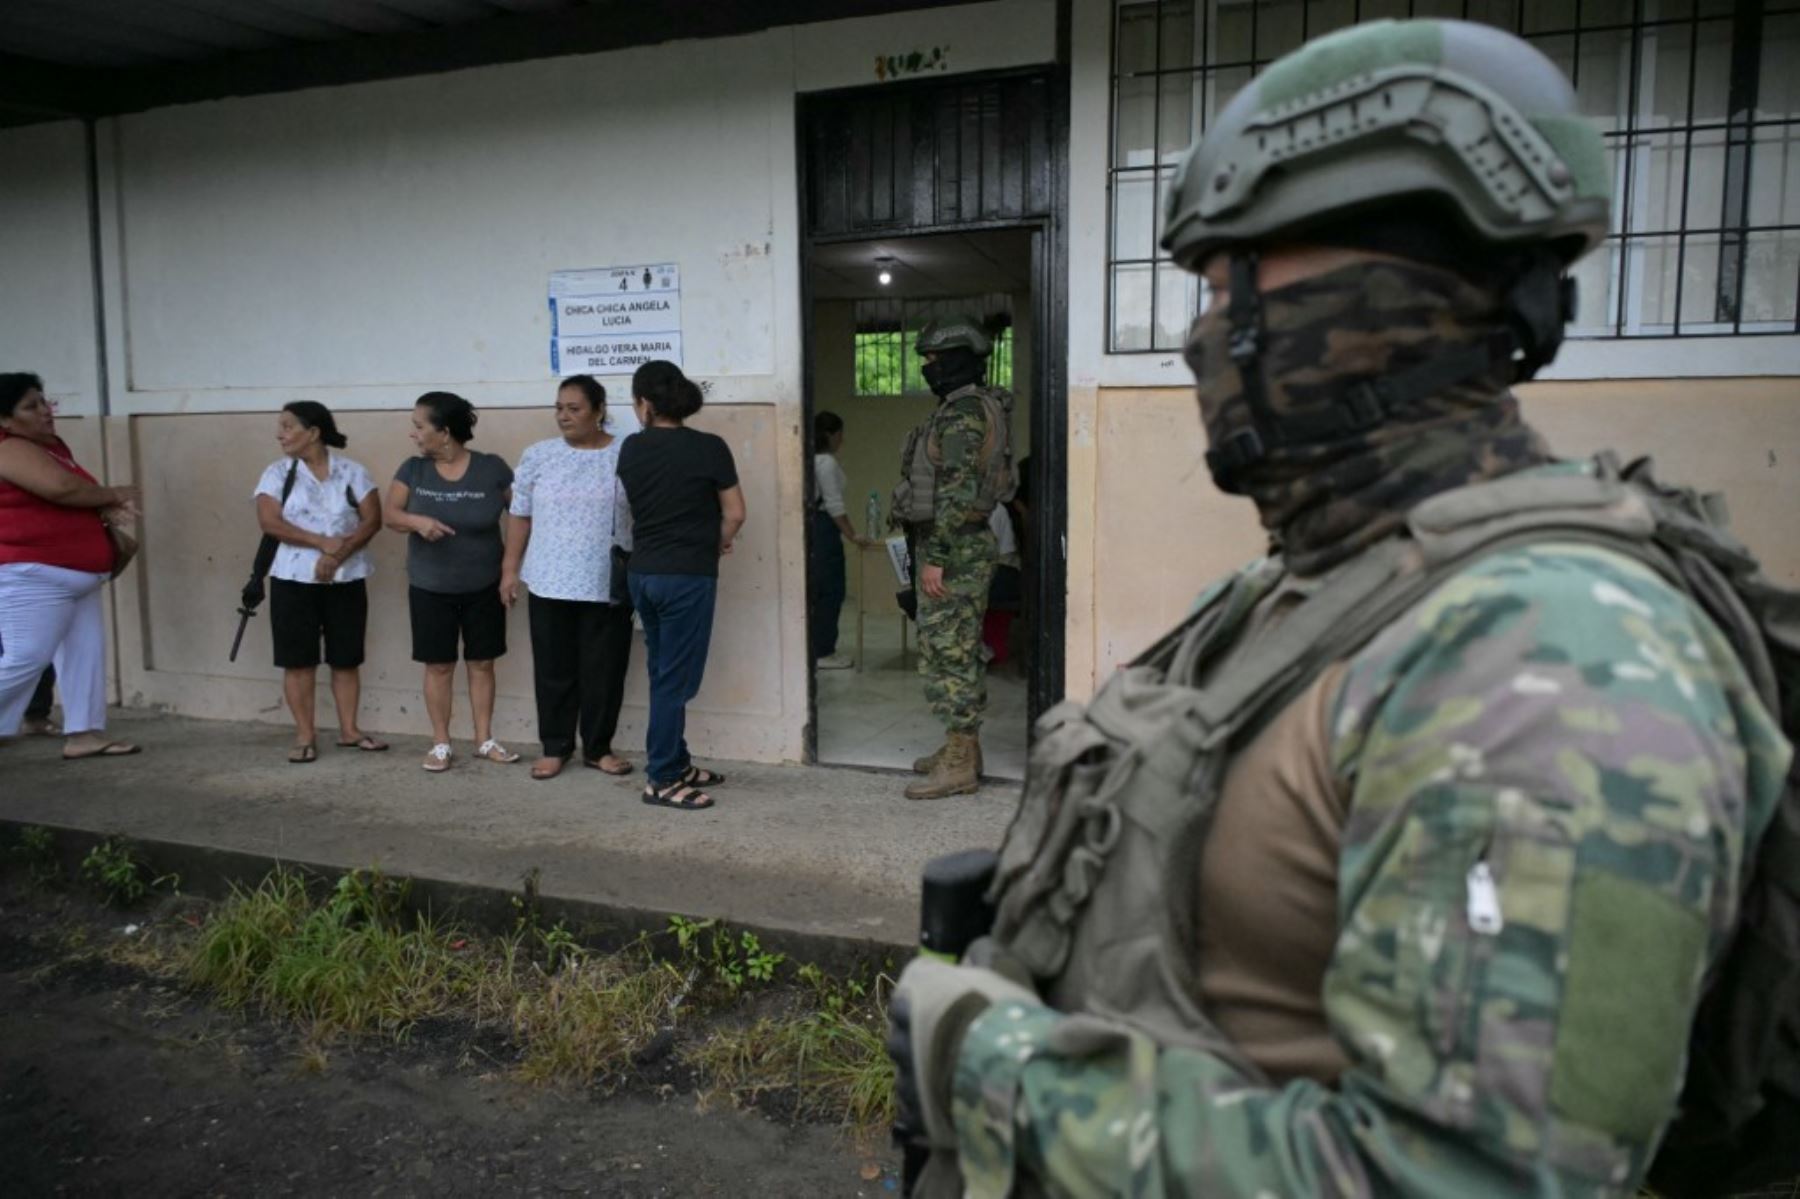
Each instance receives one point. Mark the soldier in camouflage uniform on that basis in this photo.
(1438, 924)
(956, 467)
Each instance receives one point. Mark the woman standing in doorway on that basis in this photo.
(831, 529)
(559, 546)
(686, 510)
(323, 509)
(55, 555)
(449, 500)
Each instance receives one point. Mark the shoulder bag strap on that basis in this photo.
(265, 550)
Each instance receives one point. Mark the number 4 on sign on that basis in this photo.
(625, 283)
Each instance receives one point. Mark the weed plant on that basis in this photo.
(36, 851)
(119, 875)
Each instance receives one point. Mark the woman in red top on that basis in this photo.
(54, 555)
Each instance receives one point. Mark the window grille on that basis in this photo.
(885, 330)
(1700, 117)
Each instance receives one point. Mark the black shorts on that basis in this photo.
(438, 618)
(300, 614)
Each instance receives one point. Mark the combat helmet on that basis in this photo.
(1444, 132)
(953, 332)
(1459, 112)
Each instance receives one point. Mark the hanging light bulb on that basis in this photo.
(885, 274)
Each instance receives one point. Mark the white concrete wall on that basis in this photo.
(47, 300)
(360, 245)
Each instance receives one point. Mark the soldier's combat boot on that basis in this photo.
(928, 763)
(956, 772)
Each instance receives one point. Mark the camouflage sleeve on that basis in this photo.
(1555, 762)
(961, 432)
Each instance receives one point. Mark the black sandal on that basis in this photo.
(366, 743)
(300, 755)
(679, 796)
(698, 777)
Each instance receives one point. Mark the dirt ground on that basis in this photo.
(113, 1082)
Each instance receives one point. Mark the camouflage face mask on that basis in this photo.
(1325, 500)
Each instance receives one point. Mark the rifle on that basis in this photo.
(954, 911)
(253, 594)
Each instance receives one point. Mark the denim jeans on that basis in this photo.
(827, 579)
(677, 611)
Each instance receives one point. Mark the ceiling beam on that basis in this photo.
(32, 90)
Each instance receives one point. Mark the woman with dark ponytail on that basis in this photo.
(323, 508)
(686, 510)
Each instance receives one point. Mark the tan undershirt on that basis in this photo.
(1268, 913)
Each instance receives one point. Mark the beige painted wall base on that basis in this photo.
(1162, 531)
(175, 607)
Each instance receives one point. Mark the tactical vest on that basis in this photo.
(1095, 887)
(915, 499)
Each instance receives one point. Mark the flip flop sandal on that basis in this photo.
(679, 796)
(493, 751)
(300, 755)
(541, 774)
(438, 760)
(594, 764)
(365, 743)
(112, 749)
(39, 728)
(698, 777)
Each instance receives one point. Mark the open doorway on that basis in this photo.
(870, 707)
(963, 183)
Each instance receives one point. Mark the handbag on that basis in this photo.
(125, 548)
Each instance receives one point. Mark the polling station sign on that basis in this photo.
(612, 320)
(612, 355)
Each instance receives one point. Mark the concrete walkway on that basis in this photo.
(814, 851)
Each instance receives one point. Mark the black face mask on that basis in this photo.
(955, 368)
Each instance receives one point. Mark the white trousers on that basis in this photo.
(51, 615)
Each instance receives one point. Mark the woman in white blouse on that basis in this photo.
(566, 513)
(323, 509)
(831, 528)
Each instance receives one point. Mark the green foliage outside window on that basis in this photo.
(887, 366)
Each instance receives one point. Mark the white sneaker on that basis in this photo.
(836, 662)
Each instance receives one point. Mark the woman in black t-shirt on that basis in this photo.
(686, 510)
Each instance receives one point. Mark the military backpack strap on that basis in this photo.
(1082, 758)
(1740, 1101)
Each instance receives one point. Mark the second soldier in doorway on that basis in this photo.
(955, 469)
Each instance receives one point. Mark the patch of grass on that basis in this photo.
(350, 964)
(352, 961)
(831, 1055)
(593, 1018)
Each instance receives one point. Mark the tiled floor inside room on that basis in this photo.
(877, 716)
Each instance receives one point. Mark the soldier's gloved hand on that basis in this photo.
(931, 1008)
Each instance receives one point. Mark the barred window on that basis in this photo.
(885, 330)
(1699, 116)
